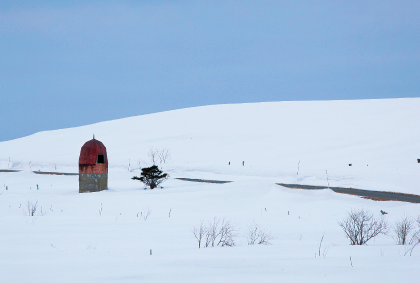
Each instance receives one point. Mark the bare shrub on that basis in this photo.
(415, 238)
(360, 226)
(253, 233)
(153, 155)
(227, 234)
(207, 237)
(410, 250)
(402, 229)
(265, 238)
(257, 235)
(418, 222)
(31, 208)
(219, 232)
(164, 155)
(146, 213)
(212, 232)
(199, 232)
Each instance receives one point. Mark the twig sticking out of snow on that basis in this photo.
(320, 244)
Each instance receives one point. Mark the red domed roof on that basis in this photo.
(90, 151)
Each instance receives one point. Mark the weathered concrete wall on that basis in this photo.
(93, 168)
(93, 182)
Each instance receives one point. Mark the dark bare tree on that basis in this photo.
(360, 226)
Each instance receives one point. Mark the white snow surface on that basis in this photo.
(104, 236)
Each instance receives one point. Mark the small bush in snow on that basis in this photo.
(415, 238)
(402, 229)
(219, 232)
(146, 213)
(199, 231)
(360, 226)
(151, 176)
(153, 154)
(31, 208)
(257, 235)
(163, 155)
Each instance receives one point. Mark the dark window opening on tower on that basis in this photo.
(101, 158)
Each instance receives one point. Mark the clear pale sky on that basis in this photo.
(72, 63)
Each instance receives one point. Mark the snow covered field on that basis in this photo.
(104, 237)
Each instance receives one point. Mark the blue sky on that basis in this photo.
(73, 63)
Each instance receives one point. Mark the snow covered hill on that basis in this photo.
(378, 137)
(108, 236)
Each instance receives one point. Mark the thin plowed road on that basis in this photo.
(375, 195)
(203, 181)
